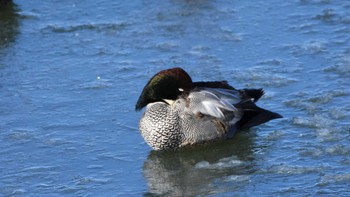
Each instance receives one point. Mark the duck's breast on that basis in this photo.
(160, 126)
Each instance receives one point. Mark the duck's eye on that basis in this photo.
(181, 90)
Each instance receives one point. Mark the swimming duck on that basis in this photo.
(181, 113)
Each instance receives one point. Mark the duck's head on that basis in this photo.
(165, 86)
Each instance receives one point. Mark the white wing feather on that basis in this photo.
(215, 102)
(212, 109)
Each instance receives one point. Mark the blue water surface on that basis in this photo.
(71, 73)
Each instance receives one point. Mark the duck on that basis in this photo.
(181, 113)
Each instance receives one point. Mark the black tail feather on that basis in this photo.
(254, 115)
(254, 93)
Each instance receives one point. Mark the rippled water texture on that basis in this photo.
(71, 72)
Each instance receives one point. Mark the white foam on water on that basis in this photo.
(338, 149)
(334, 178)
(237, 178)
(289, 169)
(224, 163)
(315, 121)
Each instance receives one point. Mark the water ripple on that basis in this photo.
(99, 27)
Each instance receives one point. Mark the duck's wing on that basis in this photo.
(216, 102)
(230, 105)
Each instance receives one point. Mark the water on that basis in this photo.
(72, 71)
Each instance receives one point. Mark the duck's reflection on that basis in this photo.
(194, 171)
(8, 22)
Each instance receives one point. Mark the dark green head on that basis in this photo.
(165, 85)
